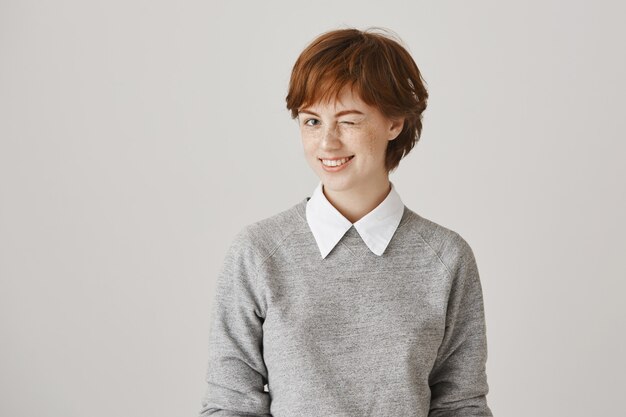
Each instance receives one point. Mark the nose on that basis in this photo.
(330, 138)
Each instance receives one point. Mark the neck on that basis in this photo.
(353, 204)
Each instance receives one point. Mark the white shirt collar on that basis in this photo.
(376, 228)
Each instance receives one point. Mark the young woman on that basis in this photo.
(349, 303)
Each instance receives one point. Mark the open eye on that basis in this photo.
(307, 122)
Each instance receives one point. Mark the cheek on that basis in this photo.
(308, 138)
(309, 149)
(373, 145)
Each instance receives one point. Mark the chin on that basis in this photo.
(337, 184)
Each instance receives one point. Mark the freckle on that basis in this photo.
(371, 143)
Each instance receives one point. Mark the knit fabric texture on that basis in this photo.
(293, 334)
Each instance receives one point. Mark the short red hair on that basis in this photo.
(376, 66)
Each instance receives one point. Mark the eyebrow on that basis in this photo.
(341, 113)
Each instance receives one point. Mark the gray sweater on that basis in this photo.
(293, 334)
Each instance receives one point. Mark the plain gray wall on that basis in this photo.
(137, 137)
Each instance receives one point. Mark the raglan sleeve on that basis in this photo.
(458, 380)
(236, 373)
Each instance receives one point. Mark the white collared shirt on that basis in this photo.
(376, 228)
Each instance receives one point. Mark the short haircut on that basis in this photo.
(374, 65)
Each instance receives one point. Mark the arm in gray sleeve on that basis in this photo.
(458, 380)
(236, 373)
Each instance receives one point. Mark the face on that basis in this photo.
(347, 128)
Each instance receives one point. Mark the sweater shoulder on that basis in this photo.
(267, 234)
(446, 243)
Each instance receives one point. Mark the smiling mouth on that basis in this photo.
(335, 162)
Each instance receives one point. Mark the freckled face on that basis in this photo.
(344, 128)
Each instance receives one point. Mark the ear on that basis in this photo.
(395, 128)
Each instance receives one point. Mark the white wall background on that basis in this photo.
(137, 137)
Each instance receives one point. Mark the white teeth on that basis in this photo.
(334, 163)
